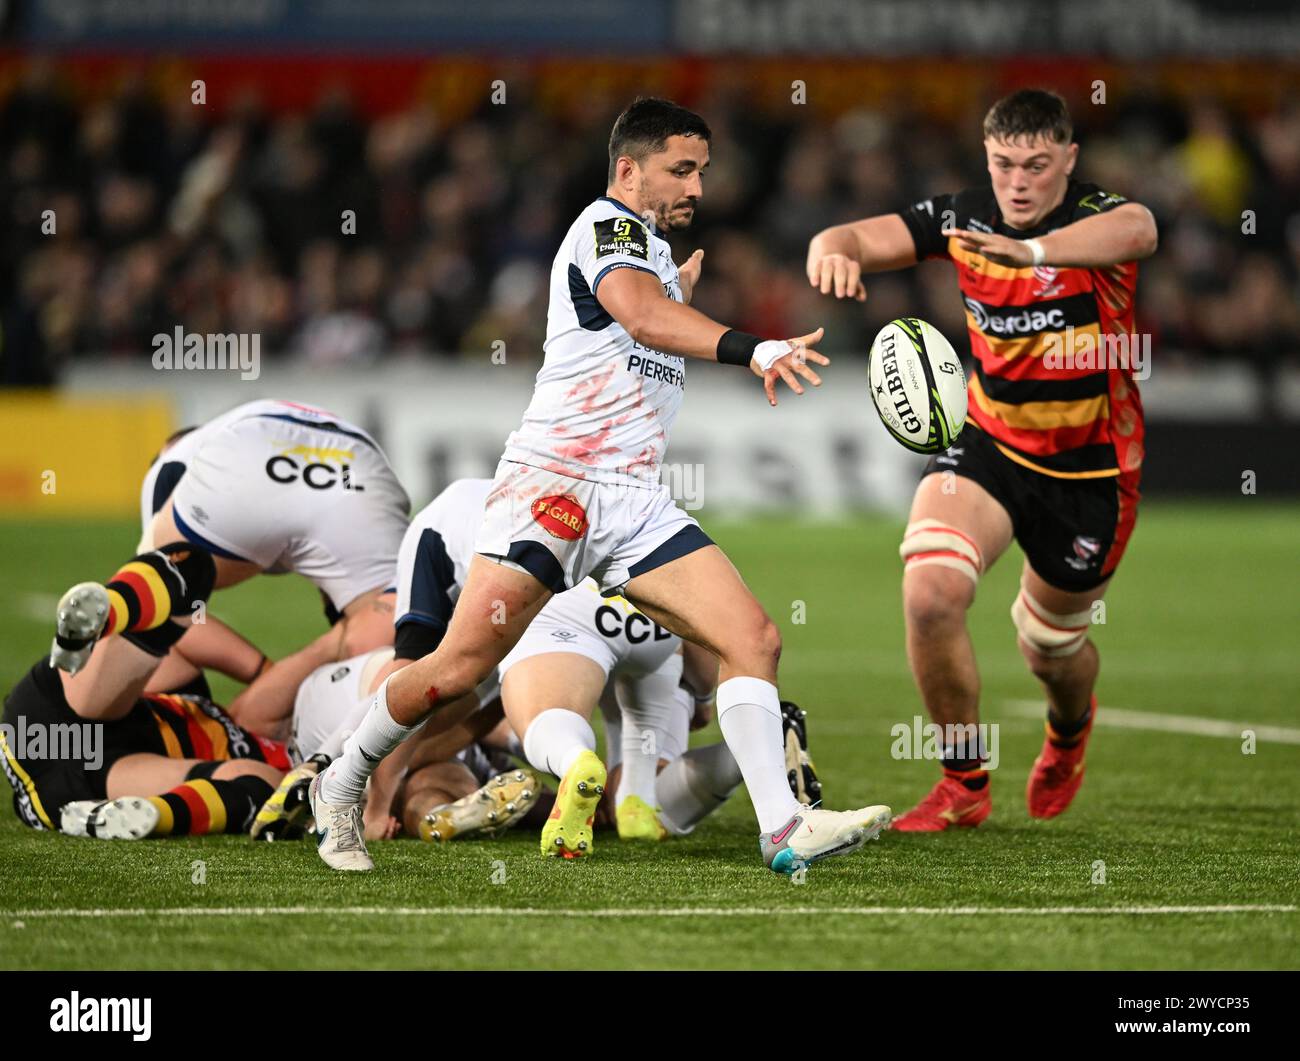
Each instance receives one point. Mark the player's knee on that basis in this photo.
(752, 644)
(234, 768)
(941, 568)
(1048, 640)
(935, 598)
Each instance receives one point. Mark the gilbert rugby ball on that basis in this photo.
(917, 385)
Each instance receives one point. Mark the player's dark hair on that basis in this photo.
(644, 128)
(1029, 113)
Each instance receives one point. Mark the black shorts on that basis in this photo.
(183, 725)
(44, 780)
(1073, 531)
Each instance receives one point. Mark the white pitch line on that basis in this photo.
(616, 912)
(1122, 718)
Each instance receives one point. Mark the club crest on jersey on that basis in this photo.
(1045, 275)
(561, 516)
(1086, 551)
(622, 235)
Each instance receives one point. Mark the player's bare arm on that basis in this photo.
(636, 300)
(838, 256)
(664, 187)
(210, 645)
(1125, 234)
(266, 705)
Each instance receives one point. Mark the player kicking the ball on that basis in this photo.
(577, 494)
(1052, 450)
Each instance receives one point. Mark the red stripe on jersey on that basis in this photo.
(201, 742)
(274, 753)
(1113, 291)
(1042, 442)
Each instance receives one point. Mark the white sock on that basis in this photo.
(640, 762)
(694, 785)
(556, 738)
(749, 715)
(375, 736)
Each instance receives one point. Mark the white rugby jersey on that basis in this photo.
(603, 404)
(156, 489)
(436, 551)
(332, 697)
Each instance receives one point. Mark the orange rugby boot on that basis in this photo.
(1058, 771)
(949, 803)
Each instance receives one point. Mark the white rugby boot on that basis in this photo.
(124, 818)
(487, 811)
(340, 839)
(82, 613)
(814, 834)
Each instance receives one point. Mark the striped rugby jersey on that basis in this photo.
(1077, 415)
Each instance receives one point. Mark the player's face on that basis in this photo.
(1029, 177)
(672, 182)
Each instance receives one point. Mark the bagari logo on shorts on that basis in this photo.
(561, 516)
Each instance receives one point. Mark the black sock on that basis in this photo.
(1066, 734)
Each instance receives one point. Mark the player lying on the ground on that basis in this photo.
(452, 783)
(578, 494)
(270, 487)
(168, 761)
(1051, 453)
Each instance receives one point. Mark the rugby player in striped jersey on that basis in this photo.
(1051, 453)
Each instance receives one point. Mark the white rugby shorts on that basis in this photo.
(562, 530)
(315, 499)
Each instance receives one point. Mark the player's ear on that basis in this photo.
(625, 172)
(1071, 157)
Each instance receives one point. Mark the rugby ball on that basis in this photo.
(917, 385)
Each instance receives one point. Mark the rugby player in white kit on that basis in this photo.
(269, 487)
(577, 494)
(582, 651)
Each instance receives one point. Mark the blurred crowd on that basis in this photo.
(343, 240)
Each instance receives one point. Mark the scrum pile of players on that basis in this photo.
(274, 487)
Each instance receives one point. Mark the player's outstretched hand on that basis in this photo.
(999, 249)
(793, 365)
(837, 274)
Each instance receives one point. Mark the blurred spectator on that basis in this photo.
(341, 239)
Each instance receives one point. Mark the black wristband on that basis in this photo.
(737, 348)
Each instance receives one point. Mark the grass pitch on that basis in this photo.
(1193, 836)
